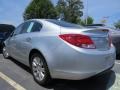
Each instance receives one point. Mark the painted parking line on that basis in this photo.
(11, 82)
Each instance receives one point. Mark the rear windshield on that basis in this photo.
(64, 24)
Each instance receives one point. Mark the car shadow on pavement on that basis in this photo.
(103, 82)
(20, 65)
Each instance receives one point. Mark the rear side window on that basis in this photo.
(30, 27)
(18, 29)
(25, 27)
(36, 27)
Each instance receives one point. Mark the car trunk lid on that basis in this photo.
(100, 37)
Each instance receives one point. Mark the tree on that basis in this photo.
(117, 24)
(40, 9)
(89, 20)
(61, 6)
(71, 9)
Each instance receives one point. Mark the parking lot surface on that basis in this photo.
(14, 75)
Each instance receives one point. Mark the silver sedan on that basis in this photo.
(58, 49)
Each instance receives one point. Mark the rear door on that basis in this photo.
(17, 41)
(20, 45)
(24, 40)
(12, 41)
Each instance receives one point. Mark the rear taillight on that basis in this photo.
(78, 40)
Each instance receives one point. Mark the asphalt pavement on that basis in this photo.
(14, 75)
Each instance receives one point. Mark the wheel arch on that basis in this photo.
(38, 51)
(35, 51)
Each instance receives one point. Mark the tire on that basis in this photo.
(40, 69)
(5, 53)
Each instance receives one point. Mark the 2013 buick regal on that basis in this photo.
(58, 49)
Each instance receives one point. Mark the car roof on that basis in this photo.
(57, 22)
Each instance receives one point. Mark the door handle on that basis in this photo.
(28, 39)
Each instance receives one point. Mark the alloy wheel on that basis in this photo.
(38, 68)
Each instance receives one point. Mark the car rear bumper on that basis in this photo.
(80, 76)
(75, 64)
